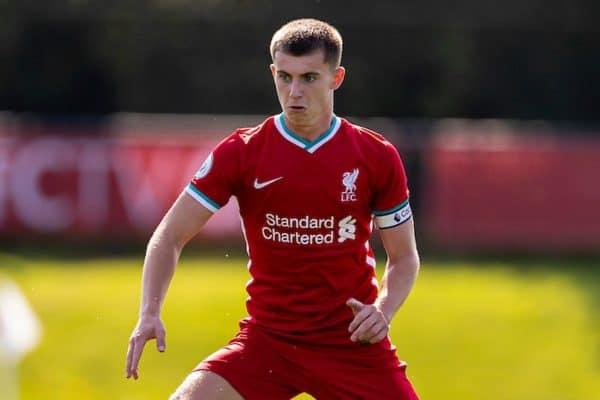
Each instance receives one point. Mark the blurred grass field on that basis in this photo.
(470, 330)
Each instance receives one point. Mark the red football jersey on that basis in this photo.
(307, 210)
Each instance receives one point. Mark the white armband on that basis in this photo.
(393, 217)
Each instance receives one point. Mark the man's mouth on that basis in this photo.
(296, 108)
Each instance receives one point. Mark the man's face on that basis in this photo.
(305, 86)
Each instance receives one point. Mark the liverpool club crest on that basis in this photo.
(349, 182)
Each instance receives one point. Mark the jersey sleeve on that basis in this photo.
(390, 205)
(214, 182)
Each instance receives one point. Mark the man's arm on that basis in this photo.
(371, 321)
(182, 222)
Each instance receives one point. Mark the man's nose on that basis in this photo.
(295, 89)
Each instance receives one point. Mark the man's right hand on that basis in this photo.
(146, 329)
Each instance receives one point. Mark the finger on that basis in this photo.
(359, 318)
(376, 330)
(380, 335)
(161, 343)
(355, 305)
(129, 358)
(136, 354)
(363, 332)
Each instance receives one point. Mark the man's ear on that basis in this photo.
(273, 70)
(338, 77)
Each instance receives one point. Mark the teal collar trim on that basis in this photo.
(307, 145)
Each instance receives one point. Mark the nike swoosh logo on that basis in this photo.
(260, 185)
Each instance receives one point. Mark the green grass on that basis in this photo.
(470, 330)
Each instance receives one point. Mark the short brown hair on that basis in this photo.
(303, 36)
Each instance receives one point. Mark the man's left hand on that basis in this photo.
(369, 324)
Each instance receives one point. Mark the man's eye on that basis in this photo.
(285, 78)
(310, 78)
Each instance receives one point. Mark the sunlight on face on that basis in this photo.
(305, 86)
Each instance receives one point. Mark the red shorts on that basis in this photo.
(262, 367)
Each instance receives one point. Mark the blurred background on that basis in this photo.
(108, 108)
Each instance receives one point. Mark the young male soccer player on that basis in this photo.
(309, 185)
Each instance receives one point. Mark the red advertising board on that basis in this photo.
(508, 192)
(79, 186)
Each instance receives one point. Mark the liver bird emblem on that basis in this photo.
(349, 180)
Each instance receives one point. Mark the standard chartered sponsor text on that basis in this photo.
(272, 232)
(305, 222)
